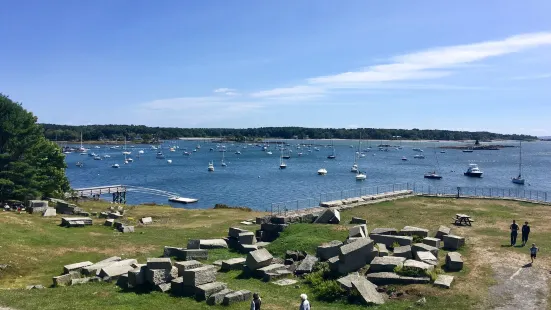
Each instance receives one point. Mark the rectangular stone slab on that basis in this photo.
(435, 242)
(233, 264)
(199, 276)
(235, 231)
(239, 296)
(306, 265)
(186, 265)
(386, 263)
(417, 247)
(444, 281)
(159, 263)
(202, 292)
(389, 240)
(414, 231)
(192, 254)
(217, 298)
(247, 238)
(454, 261)
(258, 259)
(390, 278)
(328, 250)
(368, 292)
(95, 268)
(76, 266)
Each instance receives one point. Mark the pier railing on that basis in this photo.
(521, 194)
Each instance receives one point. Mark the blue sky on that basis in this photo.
(464, 65)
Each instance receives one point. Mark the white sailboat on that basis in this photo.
(282, 165)
(125, 152)
(223, 164)
(82, 150)
(433, 175)
(519, 180)
(322, 171)
(332, 155)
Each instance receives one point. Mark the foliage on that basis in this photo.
(395, 245)
(417, 239)
(416, 272)
(224, 206)
(30, 165)
(150, 134)
(323, 285)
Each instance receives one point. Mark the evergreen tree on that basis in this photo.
(30, 165)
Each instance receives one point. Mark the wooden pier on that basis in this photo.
(118, 192)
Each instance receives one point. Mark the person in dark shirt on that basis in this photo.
(256, 302)
(525, 232)
(514, 233)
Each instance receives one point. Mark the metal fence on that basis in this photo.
(420, 189)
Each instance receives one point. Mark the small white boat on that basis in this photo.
(403, 158)
(360, 176)
(442, 152)
(79, 164)
(322, 171)
(115, 166)
(97, 147)
(83, 153)
(106, 156)
(127, 152)
(210, 167)
(473, 171)
(169, 161)
(354, 168)
(416, 149)
(160, 155)
(125, 162)
(419, 156)
(141, 152)
(129, 160)
(269, 153)
(97, 157)
(182, 199)
(519, 180)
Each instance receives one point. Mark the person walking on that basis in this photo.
(304, 304)
(525, 232)
(255, 303)
(514, 233)
(533, 251)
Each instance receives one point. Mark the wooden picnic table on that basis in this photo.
(463, 219)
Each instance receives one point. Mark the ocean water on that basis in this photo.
(254, 179)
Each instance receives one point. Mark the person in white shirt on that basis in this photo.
(304, 304)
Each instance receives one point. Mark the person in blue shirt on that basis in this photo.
(525, 232)
(304, 304)
(533, 251)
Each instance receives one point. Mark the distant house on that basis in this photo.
(295, 137)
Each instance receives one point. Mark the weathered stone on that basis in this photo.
(389, 240)
(279, 219)
(247, 238)
(454, 262)
(426, 257)
(109, 222)
(217, 298)
(358, 220)
(258, 259)
(158, 276)
(442, 231)
(383, 251)
(278, 274)
(233, 264)
(186, 265)
(246, 248)
(246, 223)
(368, 292)
(75, 221)
(116, 269)
(37, 287)
(192, 254)
(65, 279)
(435, 242)
(146, 220)
(36, 206)
(235, 231)
(170, 251)
(76, 266)
(285, 282)
(207, 244)
(159, 263)
(329, 216)
(261, 220)
(49, 212)
(202, 292)
(414, 231)
(403, 251)
(163, 287)
(331, 204)
(346, 281)
(95, 268)
(127, 229)
(444, 281)
(306, 265)
(328, 250)
(136, 277)
(199, 276)
(178, 288)
(357, 232)
(271, 227)
(80, 281)
(355, 255)
(386, 263)
(424, 247)
(350, 240)
(384, 231)
(262, 244)
(239, 296)
(390, 278)
(417, 265)
(261, 272)
(452, 242)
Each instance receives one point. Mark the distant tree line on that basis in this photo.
(149, 134)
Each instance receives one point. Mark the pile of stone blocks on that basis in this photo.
(207, 244)
(365, 289)
(83, 272)
(243, 240)
(271, 230)
(353, 256)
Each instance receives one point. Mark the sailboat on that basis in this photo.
(519, 180)
(356, 154)
(223, 162)
(282, 165)
(125, 152)
(82, 150)
(332, 155)
(433, 175)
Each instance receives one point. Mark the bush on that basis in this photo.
(395, 245)
(224, 206)
(414, 272)
(323, 285)
(417, 239)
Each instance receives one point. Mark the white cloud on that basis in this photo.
(226, 91)
(300, 91)
(532, 77)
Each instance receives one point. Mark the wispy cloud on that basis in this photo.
(295, 92)
(429, 64)
(226, 91)
(532, 77)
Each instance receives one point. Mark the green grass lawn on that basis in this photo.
(36, 249)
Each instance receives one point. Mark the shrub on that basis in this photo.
(417, 239)
(323, 285)
(224, 206)
(395, 245)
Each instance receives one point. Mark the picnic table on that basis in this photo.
(463, 219)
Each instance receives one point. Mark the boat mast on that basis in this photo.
(520, 160)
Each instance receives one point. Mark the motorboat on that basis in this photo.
(130, 160)
(172, 149)
(360, 176)
(160, 155)
(403, 158)
(97, 147)
(127, 152)
(468, 151)
(269, 153)
(92, 154)
(416, 149)
(187, 153)
(79, 164)
(169, 161)
(419, 156)
(473, 171)
(97, 157)
(442, 152)
(354, 168)
(322, 171)
(286, 156)
(106, 156)
(115, 166)
(518, 180)
(210, 167)
(237, 153)
(432, 175)
(182, 199)
(282, 166)
(141, 152)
